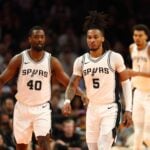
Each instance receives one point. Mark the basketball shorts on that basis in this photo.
(29, 119)
(141, 106)
(100, 120)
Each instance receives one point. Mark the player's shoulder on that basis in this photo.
(54, 60)
(115, 54)
(17, 57)
(116, 57)
(80, 59)
(48, 53)
(148, 44)
(16, 61)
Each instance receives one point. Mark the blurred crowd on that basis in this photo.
(63, 20)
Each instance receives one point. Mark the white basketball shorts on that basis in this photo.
(100, 120)
(29, 119)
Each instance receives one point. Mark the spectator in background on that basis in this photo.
(8, 106)
(67, 57)
(3, 145)
(69, 137)
(77, 107)
(57, 116)
(6, 130)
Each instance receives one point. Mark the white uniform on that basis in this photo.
(141, 62)
(99, 77)
(32, 110)
(141, 99)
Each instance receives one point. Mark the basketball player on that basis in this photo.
(34, 68)
(98, 67)
(140, 54)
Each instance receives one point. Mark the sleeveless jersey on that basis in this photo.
(99, 77)
(141, 62)
(34, 80)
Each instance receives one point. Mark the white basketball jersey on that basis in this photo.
(34, 81)
(99, 79)
(141, 62)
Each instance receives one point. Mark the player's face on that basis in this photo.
(139, 37)
(95, 39)
(37, 40)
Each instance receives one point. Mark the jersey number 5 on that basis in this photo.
(96, 83)
(34, 85)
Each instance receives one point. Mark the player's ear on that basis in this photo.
(146, 37)
(103, 39)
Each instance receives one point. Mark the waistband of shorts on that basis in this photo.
(103, 105)
(47, 102)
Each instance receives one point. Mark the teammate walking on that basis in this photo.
(98, 68)
(34, 68)
(140, 54)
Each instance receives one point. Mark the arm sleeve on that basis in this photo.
(119, 66)
(127, 93)
(77, 67)
(117, 62)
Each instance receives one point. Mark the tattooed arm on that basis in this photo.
(75, 79)
(72, 87)
(70, 93)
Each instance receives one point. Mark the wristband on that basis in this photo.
(67, 101)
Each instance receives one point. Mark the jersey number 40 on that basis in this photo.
(34, 85)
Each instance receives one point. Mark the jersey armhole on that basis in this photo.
(83, 60)
(108, 61)
(50, 63)
(21, 66)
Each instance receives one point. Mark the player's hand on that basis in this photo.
(85, 100)
(127, 119)
(66, 110)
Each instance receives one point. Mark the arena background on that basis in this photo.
(63, 20)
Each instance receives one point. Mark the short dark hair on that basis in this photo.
(142, 27)
(36, 28)
(96, 20)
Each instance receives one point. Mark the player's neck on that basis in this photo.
(96, 53)
(142, 46)
(36, 55)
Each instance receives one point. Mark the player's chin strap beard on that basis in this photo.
(93, 49)
(38, 49)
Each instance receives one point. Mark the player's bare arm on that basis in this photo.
(123, 75)
(58, 72)
(11, 70)
(127, 118)
(132, 73)
(72, 87)
(70, 93)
